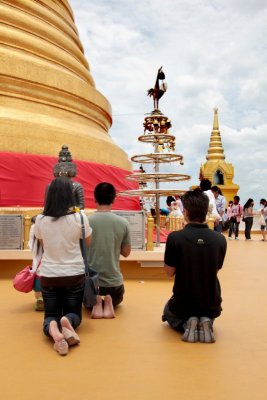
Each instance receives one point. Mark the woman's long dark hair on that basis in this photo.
(59, 198)
(248, 203)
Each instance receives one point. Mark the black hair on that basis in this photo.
(262, 201)
(237, 198)
(169, 200)
(196, 204)
(216, 189)
(105, 193)
(205, 184)
(59, 197)
(248, 203)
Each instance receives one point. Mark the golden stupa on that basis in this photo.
(215, 168)
(48, 95)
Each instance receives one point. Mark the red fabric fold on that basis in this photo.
(24, 177)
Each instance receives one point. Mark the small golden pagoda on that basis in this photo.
(215, 168)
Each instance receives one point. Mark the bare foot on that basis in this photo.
(108, 307)
(69, 332)
(65, 323)
(60, 345)
(54, 331)
(97, 311)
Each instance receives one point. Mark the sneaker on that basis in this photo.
(39, 305)
(191, 332)
(236, 238)
(229, 238)
(206, 331)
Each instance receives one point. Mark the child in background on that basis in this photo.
(175, 209)
(37, 252)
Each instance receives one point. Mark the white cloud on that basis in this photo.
(214, 55)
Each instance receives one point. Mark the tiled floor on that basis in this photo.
(136, 356)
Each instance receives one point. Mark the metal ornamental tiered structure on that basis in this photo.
(156, 132)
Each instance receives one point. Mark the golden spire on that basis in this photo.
(215, 151)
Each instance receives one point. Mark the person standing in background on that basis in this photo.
(220, 202)
(234, 213)
(263, 204)
(248, 218)
(205, 187)
(180, 203)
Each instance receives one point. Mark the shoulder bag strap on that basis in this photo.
(84, 249)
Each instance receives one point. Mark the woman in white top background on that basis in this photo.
(205, 187)
(248, 217)
(263, 211)
(62, 268)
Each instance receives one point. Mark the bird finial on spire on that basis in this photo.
(159, 89)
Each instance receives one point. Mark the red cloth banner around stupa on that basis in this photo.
(24, 177)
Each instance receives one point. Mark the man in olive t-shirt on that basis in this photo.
(194, 256)
(110, 239)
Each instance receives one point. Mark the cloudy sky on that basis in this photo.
(213, 53)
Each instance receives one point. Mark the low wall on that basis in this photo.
(139, 265)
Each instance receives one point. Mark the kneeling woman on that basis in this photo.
(62, 268)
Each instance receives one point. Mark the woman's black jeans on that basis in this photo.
(248, 226)
(234, 228)
(62, 301)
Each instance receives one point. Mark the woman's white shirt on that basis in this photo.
(212, 206)
(61, 239)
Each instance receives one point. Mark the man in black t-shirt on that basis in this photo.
(193, 256)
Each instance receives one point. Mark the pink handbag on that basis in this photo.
(24, 280)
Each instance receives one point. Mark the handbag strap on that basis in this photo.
(84, 249)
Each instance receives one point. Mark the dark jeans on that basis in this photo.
(116, 293)
(234, 228)
(176, 323)
(59, 301)
(248, 226)
(218, 227)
